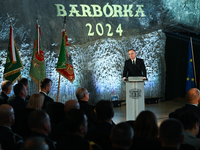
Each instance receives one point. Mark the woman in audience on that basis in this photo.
(21, 126)
(146, 132)
(36, 101)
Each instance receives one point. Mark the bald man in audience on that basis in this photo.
(60, 130)
(192, 101)
(6, 87)
(8, 139)
(71, 104)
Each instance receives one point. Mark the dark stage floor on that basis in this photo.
(160, 109)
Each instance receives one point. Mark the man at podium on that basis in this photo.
(134, 66)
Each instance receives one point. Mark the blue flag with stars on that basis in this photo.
(190, 83)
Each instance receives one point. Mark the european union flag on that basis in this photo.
(190, 80)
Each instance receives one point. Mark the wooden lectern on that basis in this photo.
(134, 97)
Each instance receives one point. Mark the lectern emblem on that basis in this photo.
(134, 93)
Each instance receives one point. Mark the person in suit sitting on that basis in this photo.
(190, 123)
(24, 81)
(18, 101)
(6, 87)
(121, 136)
(192, 101)
(100, 134)
(45, 87)
(134, 66)
(75, 123)
(82, 95)
(8, 139)
(171, 134)
(39, 123)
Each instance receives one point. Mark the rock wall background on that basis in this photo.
(98, 61)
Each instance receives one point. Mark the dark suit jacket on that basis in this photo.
(189, 107)
(52, 144)
(137, 69)
(101, 135)
(90, 113)
(21, 126)
(141, 143)
(9, 140)
(46, 100)
(3, 98)
(17, 103)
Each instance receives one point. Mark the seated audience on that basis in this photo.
(75, 123)
(121, 136)
(35, 143)
(83, 96)
(171, 134)
(100, 134)
(8, 139)
(45, 87)
(146, 132)
(6, 87)
(18, 101)
(21, 126)
(39, 123)
(190, 123)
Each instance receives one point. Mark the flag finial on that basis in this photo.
(64, 22)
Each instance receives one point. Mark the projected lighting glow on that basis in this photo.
(99, 66)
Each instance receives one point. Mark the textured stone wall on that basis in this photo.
(98, 60)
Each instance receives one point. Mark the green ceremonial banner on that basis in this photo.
(64, 65)
(13, 61)
(62, 60)
(37, 71)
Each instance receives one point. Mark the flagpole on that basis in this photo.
(195, 79)
(58, 87)
(59, 73)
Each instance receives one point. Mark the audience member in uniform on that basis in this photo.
(24, 81)
(190, 123)
(121, 136)
(171, 134)
(101, 133)
(8, 139)
(82, 95)
(45, 87)
(21, 117)
(18, 102)
(39, 123)
(75, 123)
(35, 143)
(146, 132)
(6, 87)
